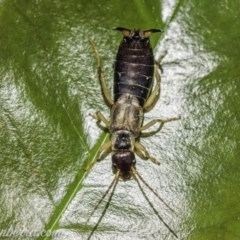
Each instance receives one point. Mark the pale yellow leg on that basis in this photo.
(143, 153)
(158, 62)
(101, 118)
(149, 104)
(102, 80)
(161, 121)
(104, 150)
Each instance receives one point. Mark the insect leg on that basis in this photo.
(104, 150)
(101, 118)
(102, 80)
(143, 153)
(149, 104)
(161, 121)
(158, 62)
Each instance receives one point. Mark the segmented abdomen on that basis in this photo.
(133, 73)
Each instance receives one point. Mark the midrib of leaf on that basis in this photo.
(73, 188)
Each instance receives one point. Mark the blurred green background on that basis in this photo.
(49, 88)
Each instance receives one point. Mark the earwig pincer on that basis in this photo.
(133, 95)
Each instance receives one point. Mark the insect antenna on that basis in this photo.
(136, 176)
(113, 186)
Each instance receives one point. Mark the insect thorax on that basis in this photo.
(126, 116)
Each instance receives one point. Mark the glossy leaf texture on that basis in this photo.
(49, 88)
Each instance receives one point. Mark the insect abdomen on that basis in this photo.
(133, 73)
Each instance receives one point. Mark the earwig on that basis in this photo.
(133, 95)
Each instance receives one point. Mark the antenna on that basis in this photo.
(115, 180)
(113, 186)
(136, 175)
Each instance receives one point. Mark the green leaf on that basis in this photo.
(49, 88)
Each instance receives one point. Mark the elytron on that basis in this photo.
(134, 93)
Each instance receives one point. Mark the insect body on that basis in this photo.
(134, 71)
(133, 95)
